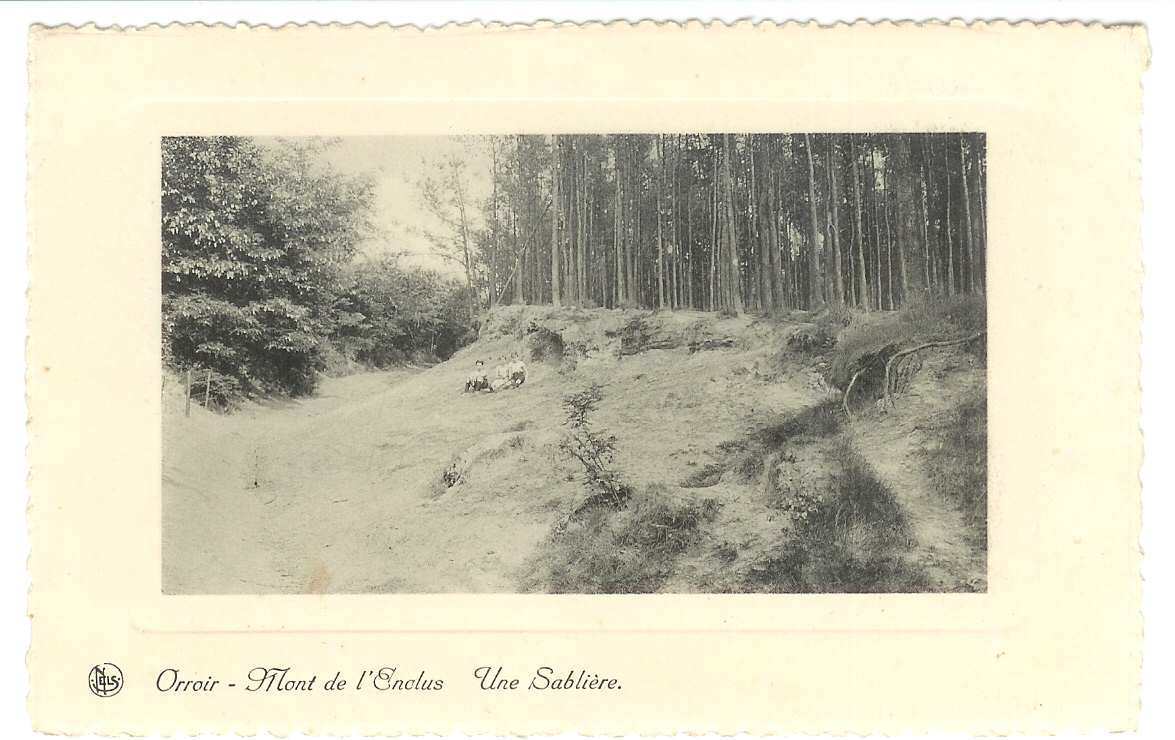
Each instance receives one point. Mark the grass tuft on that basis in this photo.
(957, 466)
(850, 540)
(820, 420)
(630, 550)
(708, 476)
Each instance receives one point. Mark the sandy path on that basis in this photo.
(332, 494)
(943, 544)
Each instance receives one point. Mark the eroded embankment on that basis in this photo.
(804, 498)
(744, 474)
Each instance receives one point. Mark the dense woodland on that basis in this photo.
(266, 283)
(721, 222)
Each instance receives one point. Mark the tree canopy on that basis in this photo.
(258, 270)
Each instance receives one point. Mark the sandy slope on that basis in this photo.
(342, 492)
(945, 550)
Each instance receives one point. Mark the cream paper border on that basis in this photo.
(1053, 645)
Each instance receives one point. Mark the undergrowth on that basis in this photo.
(626, 550)
(545, 345)
(920, 320)
(848, 540)
(748, 457)
(844, 536)
(957, 467)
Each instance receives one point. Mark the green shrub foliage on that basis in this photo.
(390, 313)
(259, 277)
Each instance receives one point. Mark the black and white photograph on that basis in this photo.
(575, 363)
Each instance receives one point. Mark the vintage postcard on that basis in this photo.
(605, 379)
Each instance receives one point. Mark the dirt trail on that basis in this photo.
(891, 441)
(330, 494)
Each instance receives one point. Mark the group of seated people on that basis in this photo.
(509, 374)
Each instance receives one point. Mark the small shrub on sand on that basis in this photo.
(634, 335)
(545, 345)
(630, 550)
(709, 475)
(595, 450)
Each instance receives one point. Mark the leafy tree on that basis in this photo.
(389, 312)
(253, 239)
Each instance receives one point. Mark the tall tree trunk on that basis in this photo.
(660, 218)
(889, 246)
(833, 207)
(570, 190)
(714, 243)
(675, 239)
(618, 235)
(556, 205)
(764, 229)
(519, 253)
(981, 187)
(581, 233)
(788, 274)
(877, 291)
(950, 240)
(903, 271)
(466, 251)
(971, 271)
(858, 235)
(778, 295)
(905, 194)
(630, 268)
(638, 247)
(922, 197)
(492, 276)
(689, 245)
(815, 280)
(731, 235)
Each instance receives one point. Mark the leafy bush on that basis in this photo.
(388, 312)
(545, 344)
(616, 540)
(595, 451)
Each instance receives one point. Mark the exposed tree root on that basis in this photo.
(849, 390)
(897, 357)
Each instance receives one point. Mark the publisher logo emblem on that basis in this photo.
(105, 680)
